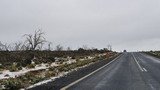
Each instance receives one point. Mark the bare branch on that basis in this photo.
(59, 48)
(36, 40)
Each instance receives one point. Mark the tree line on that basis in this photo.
(37, 41)
(32, 42)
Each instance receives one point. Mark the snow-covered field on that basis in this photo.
(7, 74)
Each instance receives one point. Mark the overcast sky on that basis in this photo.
(125, 24)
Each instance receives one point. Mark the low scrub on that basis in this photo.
(33, 77)
(154, 53)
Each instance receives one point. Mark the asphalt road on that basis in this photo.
(131, 71)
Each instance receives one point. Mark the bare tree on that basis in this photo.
(36, 40)
(1, 46)
(59, 48)
(49, 46)
(18, 46)
(4, 47)
(25, 47)
(85, 47)
(68, 48)
(93, 48)
(40, 46)
(109, 47)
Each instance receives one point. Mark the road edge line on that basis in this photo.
(75, 82)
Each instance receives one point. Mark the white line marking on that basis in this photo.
(137, 62)
(75, 82)
(144, 69)
(141, 67)
(152, 87)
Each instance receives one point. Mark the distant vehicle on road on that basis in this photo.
(124, 50)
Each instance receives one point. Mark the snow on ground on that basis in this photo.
(89, 57)
(53, 78)
(7, 74)
(60, 75)
(82, 59)
(70, 61)
(54, 64)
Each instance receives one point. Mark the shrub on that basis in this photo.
(13, 84)
(13, 68)
(52, 59)
(50, 74)
(62, 68)
(1, 67)
(31, 66)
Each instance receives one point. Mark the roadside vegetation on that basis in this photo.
(24, 64)
(154, 53)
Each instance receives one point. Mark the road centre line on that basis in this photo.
(144, 69)
(137, 63)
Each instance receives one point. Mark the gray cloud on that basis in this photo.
(126, 24)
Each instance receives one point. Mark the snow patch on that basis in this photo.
(7, 74)
(54, 64)
(70, 61)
